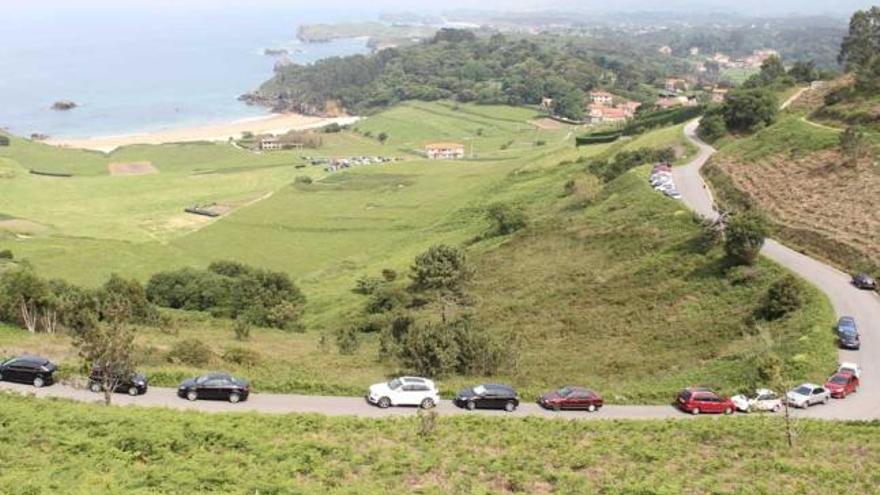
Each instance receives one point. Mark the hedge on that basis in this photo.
(662, 118)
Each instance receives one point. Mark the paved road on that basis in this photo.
(865, 307)
(846, 299)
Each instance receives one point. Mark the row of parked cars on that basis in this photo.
(661, 180)
(845, 381)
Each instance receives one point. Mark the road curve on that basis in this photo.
(864, 306)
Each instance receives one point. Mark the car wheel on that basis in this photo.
(384, 402)
(591, 408)
(695, 411)
(776, 408)
(1, 377)
(427, 403)
(556, 407)
(39, 382)
(825, 400)
(235, 398)
(192, 395)
(728, 410)
(510, 406)
(95, 387)
(470, 405)
(133, 391)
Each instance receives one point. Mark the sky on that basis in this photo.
(749, 7)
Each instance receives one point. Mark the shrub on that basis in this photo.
(783, 297)
(745, 110)
(131, 293)
(540, 142)
(242, 356)
(507, 219)
(382, 137)
(441, 267)
(347, 340)
(332, 128)
(6, 254)
(429, 350)
(387, 299)
(191, 352)
(712, 127)
(242, 329)
(742, 275)
(389, 274)
(302, 179)
(366, 285)
(744, 236)
(622, 162)
(4, 140)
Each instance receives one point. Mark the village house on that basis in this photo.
(546, 104)
(665, 50)
(694, 51)
(601, 97)
(444, 151)
(675, 84)
(718, 95)
(600, 114)
(270, 143)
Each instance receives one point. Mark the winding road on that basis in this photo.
(847, 300)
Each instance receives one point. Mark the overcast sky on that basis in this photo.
(753, 7)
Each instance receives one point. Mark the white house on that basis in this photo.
(444, 151)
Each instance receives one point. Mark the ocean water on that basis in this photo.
(141, 68)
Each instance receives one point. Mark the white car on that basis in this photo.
(763, 400)
(672, 193)
(851, 368)
(666, 186)
(404, 391)
(807, 395)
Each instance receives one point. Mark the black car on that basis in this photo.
(132, 384)
(28, 369)
(488, 396)
(218, 386)
(849, 339)
(864, 281)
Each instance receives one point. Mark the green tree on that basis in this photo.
(23, 296)
(861, 45)
(744, 237)
(712, 126)
(382, 137)
(569, 103)
(441, 268)
(783, 297)
(804, 71)
(745, 110)
(430, 349)
(506, 219)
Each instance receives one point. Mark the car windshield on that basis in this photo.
(480, 390)
(564, 392)
(839, 379)
(395, 384)
(803, 390)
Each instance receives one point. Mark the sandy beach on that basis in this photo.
(274, 124)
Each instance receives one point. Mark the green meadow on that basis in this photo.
(606, 286)
(63, 447)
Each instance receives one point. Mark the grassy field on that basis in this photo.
(599, 277)
(86, 449)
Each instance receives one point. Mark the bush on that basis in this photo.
(387, 299)
(742, 275)
(192, 352)
(598, 138)
(744, 110)
(6, 254)
(366, 285)
(712, 127)
(4, 140)
(507, 219)
(389, 274)
(783, 297)
(302, 179)
(347, 340)
(441, 267)
(430, 350)
(332, 128)
(744, 237)
(662, 118)
(622, 162)
(131, 293)
(242, 329)
(242, 356)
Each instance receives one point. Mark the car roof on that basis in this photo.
(845, 374)
(847, 319)
(811, 385)
(498, 386)
(762, 391)
(28, 358)
(217, 374)
(416, 379)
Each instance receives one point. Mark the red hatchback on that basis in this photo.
(842, 384)
(702, 400)
(571, 398)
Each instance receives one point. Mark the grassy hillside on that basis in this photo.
(85, 449)
(822, 202)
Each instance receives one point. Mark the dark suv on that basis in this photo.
(848, 333)
(864, 281)
(488, 396)
(29, 369)
(132, 384)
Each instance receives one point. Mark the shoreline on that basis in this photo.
(274, 124)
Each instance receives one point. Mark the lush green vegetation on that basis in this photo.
(84, 449)
(600, 251)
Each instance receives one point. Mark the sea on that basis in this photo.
(147, 66)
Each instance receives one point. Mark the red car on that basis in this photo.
(842, 384)
(570, 397)
(696, 400)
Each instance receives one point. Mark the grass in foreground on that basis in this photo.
(57, 446)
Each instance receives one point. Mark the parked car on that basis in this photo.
(807, 395)
(851, 368)
(842, 384)
(132, 384)
(864, 281)
(665, 186)
(404, 391)
(488, 396)
(29, 369)
(222, 386)
(672, 193)
(848, 333)
(762, 400)
(696, 400)
(571, 397)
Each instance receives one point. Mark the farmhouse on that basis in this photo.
(444, 151)
(601, 97)
(270, 143)
(600, 114)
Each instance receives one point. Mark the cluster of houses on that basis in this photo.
(752, 61)
(605, 108)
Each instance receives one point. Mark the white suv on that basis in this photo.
(404, 391)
